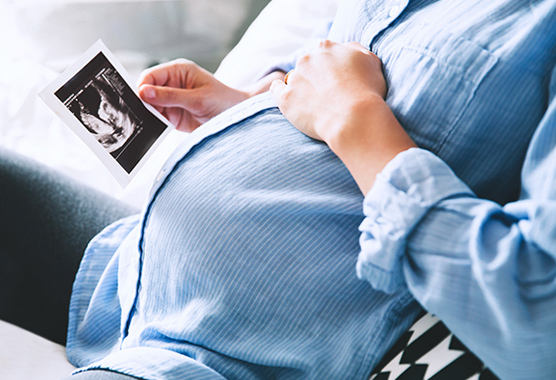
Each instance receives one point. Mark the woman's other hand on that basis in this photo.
(336, 94)
(328, 83)
(186, 94)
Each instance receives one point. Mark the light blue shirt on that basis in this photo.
(243, 263)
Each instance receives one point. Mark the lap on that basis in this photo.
(46, 221)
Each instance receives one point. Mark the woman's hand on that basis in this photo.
(188, 95)
(336, 94)
(327, 84)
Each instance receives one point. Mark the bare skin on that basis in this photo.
(336, 94)
(188, 95)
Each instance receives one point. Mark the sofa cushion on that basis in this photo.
(24, 356)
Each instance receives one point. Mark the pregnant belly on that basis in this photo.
(254, 235)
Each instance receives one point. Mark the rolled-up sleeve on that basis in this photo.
(487, 270)
(413, 183)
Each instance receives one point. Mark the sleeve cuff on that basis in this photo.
(408, 187)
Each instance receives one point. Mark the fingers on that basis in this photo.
(168, 96)
(157, 75)
(330, 45)
(147, 93)
(282, 95)
(277, 88)
(358, 46)
(162, 74)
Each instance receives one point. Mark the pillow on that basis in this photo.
(429, 351)
(24, 356)
(283, 27)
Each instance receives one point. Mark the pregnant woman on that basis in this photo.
(246, 263)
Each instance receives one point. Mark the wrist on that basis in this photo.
(366, 124)
(237, 95)
(263, 85)
(368, 139)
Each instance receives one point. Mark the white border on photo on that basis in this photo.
(48, 95)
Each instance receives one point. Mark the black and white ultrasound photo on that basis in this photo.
(111, 112)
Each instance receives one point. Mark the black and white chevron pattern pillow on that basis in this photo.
(429, 351)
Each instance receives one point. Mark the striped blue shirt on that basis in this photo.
(243, 262)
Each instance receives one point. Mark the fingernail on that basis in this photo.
(149, 92)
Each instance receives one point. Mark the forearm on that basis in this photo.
(367, 139)
(476, 265)
(263, 85)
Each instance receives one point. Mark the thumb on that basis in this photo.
(166, 96)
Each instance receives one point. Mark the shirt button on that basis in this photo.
(394, 11)
(160, 175)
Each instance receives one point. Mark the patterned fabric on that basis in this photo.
(242, 265)
(489, 271)
(429, 351)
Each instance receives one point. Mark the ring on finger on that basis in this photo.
(287, 76)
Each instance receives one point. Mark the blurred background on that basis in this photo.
(43, 37)
(140, 32)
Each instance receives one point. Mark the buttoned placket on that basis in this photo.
(383, 16)
(219, 123)
(394, 11)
